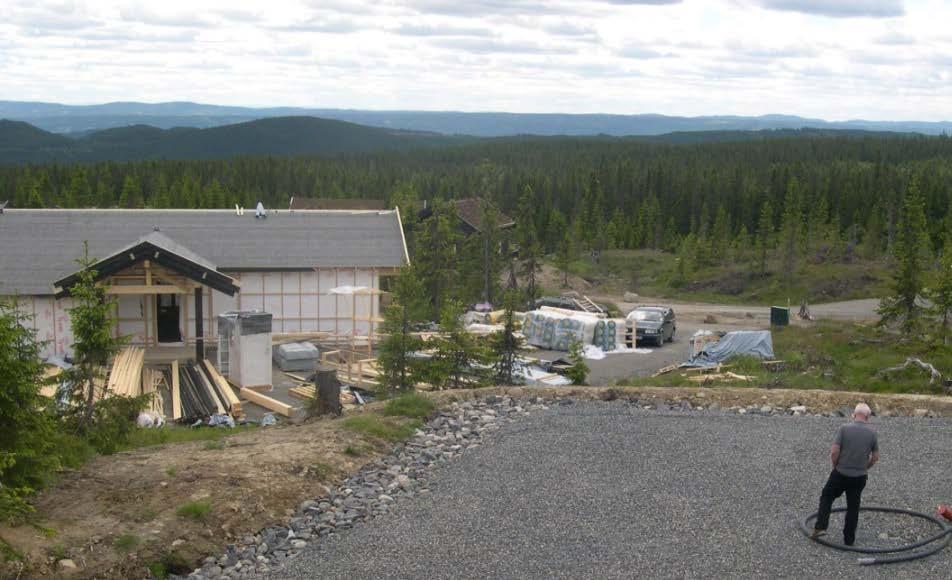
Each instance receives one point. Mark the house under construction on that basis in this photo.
(174, 271)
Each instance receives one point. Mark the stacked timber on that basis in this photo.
(199, 390)
(125, 379)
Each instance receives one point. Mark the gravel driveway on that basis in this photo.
(604, 490)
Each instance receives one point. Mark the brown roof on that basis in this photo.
(470, 211)
(331, 203)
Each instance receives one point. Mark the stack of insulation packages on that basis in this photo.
(556, 329)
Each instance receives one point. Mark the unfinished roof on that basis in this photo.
(161, 250)
(39, 247)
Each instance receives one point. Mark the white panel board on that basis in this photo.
(272, 282)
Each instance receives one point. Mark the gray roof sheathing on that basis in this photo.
(38, 247)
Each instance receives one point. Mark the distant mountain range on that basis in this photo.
(21, 142)
(79, 120)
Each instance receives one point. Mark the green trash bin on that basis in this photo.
(779, 316)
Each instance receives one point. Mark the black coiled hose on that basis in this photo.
(943, 538)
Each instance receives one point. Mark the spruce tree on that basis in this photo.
(721, 236)
(438, 264)
(940, 291)
(399, 368)
(27, 439)
(460, 358)
(911, 252)
(530, 252)
(506, 344)
(93, 321)
(764, 234)
(791, 229)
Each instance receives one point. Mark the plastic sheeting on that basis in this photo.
(757, 343)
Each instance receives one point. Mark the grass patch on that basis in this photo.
(195, 510)
(355, 450)
(150, 437)
(47, 532)
(215, 445)
(172, 563)
(9, 553)
(126, 542)
(57, 551)
(322, 470)
(653, 273)
(381, 428)
(837, 356)
(171, 471)
(412, 405)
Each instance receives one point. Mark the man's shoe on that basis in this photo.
(817, 533)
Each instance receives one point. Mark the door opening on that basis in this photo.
(167, 318)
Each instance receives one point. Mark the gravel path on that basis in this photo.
(603, 490)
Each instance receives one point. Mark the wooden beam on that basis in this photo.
(176, 393)
(144, 289)
(267, 402)
(232, 400)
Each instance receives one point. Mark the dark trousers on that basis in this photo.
(834, 488)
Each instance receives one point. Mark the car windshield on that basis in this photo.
(649, 315)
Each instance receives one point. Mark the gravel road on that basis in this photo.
(604, 490)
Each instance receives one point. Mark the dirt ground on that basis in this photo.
(251, 479)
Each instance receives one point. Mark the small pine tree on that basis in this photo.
(460, 359)
(564, 258)
(506, 344)
(791, 229)
(400, 370)
(27, 451)
(764, 234)
(437, 265)
(578, 372)
(911, 252)
(530, 251)
(940, 292)
(93, 322)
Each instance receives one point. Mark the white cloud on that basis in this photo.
(840, 8)
(818, 58)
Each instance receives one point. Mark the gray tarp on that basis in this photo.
(757, 343)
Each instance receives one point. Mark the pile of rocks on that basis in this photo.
(372, 491)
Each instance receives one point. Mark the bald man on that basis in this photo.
(855, 450)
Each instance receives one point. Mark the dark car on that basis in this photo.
(654, 324)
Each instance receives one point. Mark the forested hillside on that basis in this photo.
(23, 143)
(613, 192)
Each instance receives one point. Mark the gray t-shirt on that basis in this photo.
(856, 440)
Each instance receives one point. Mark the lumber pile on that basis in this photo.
(153, 382)
(125, 379)
(199, 390)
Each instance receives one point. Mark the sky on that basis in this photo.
(829, 59)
